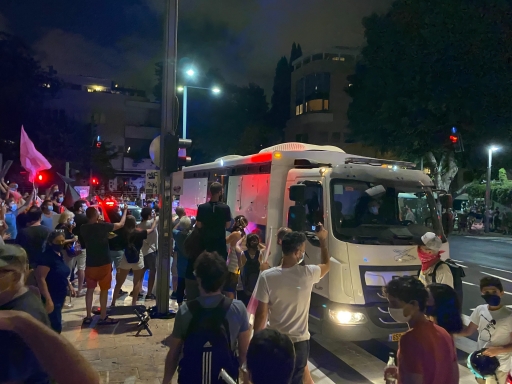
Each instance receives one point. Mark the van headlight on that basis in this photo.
(346, 317)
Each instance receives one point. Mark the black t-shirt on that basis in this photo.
(96, 238)
(137, 238)
(80, 219)
(17, 362)
(21, 221)
(120, 242)
(214, 217)
(32, 240)
(57, 278)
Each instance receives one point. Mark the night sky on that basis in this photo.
(122, 39)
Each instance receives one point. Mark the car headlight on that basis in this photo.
(346, 318)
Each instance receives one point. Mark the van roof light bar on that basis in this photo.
(380, 162)
(309, 164)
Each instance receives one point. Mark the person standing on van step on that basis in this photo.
(213, 218)
(208, 329)
(284, 295)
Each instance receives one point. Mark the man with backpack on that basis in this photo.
(435, 270)
(208, 329)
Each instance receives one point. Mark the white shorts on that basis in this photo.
(77, 261)
(124, 264)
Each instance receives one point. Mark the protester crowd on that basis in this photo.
(218, 270)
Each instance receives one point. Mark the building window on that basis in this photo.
(332, 56)
(315, 105)
(313, 92)
(326, 105)
(299, 64)
(323, 136)
(301, 138)
(307, 60)
(318, 56)
(336, 136)
(299, 109)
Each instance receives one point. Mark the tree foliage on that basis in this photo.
(501, 189)
(429, 66)
(280, 111)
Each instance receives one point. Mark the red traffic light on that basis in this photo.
(94, 181)
(40, 177)
(98, 144)
(454, 139)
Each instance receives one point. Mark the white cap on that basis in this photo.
(431, 241)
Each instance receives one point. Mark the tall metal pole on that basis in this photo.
(488, 192)
(168, 100)
(185, 100)
(66, 173)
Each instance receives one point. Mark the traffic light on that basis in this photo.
(98, 144)
(94, 181)
(456, 140)
(176, 152)
(40, 178)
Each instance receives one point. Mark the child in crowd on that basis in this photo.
(494, 324)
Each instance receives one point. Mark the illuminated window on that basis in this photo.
(314, 105)
(299, 110)
(326, 105)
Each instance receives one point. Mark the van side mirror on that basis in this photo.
(296, 218)
(297, 193)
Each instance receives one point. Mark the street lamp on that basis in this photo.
(184, 89)
(190, 72)
(491, 149)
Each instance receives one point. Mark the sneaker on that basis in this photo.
(140, 294)
(150, 297)
(121, 292)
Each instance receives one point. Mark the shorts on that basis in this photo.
(150, 261)
(116, 257)
(301, 361)
(124, 264)
(77, 261)
(101, 276)
(231, 282)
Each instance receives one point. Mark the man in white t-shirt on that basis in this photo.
(284, 295)
(494, 324)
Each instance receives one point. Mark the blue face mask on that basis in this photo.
(71, 222)
(14, 207)
(60, 199)
(50, 208)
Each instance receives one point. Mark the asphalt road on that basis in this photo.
(482, 256)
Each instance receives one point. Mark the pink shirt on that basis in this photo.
(428, 350)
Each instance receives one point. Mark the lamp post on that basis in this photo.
(184, 89)
(488, 188)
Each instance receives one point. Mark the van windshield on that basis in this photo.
(391, 213)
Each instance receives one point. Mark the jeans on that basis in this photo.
(301, 360)
(180, 291)
(56, 316)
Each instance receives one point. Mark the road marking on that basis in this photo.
(496, 269)
(457, 261)
(460, 265)
(498, 277)
(318, 376)
(465, 282)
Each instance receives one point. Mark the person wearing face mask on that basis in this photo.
(426, 353)
(433, 269)
(250, 263)
(18, 363)
(48, 214)
(52, 275)
(493, 321)
(284, 295)
(13, 211)
(58, 199)
(79, 207)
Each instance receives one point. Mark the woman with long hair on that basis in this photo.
(237, 233)
(52, 275)
(132, 239)
(443, 307)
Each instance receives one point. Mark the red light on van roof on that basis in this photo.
(261, 158)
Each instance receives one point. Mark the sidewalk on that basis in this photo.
(114, 350)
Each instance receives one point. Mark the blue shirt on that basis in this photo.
(179, 239)
(10, 220)
(48, 221)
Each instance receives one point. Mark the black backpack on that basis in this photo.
(207, 345)
(250, 272)
(131, 252)
(457, 273)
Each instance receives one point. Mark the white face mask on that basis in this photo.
(398, 315)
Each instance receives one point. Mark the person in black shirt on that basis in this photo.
(17, 362)
(80, 219)
(33, 237)
(213, 218)
(52, 278)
